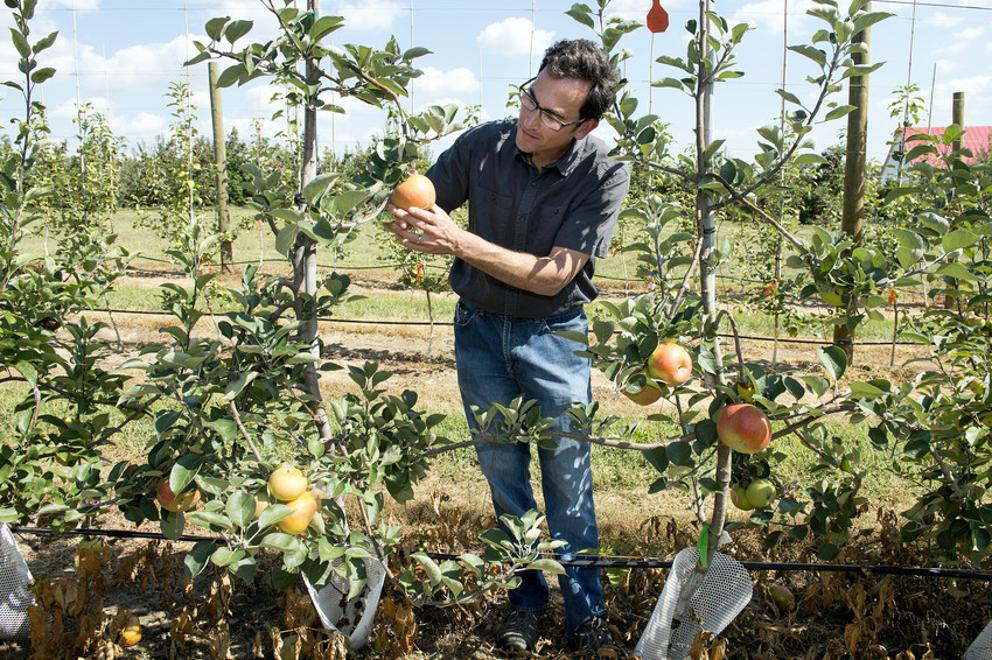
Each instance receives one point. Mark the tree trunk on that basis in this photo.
(706, 230)
(304, 254)
(220, 162)
(852, 221)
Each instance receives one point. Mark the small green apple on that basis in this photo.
(738, 495)
(760, 493)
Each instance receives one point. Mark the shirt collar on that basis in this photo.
(565, 164)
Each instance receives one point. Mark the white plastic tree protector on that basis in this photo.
(709, 601)
(981, 648)
(15, 588)
(352, 618)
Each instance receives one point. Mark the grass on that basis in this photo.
(372, 250)
(412, 306)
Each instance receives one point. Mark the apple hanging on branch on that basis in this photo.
(743, 427)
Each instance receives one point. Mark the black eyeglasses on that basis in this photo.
(530, 104)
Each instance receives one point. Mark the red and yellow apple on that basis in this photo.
(743, 427)
(304, 507)
(185, 501)
(417, 190)
(670, 363)
(286, 483)
(648, 395)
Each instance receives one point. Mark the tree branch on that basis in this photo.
(244, 432)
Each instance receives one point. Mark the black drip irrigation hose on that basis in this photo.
(590, 561)
(331, 319)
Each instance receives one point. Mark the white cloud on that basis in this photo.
(79, 5)
(969, 34)
(945, 65)
(972, 85)
(371, 14)
(437, 84)
(512, 36)
(141, 126)
(943, 21)
(767, 15)
(141, 65)
(67, 109)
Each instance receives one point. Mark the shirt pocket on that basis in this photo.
(492, 215)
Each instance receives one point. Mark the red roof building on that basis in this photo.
(976, 139)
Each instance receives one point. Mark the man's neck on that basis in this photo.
(542, 159)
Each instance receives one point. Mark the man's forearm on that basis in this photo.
(542, 275)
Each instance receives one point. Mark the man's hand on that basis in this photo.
(430, 232)
(434, 232)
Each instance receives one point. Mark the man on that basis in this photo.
(543, 200)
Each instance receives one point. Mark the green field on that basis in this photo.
(368, 257)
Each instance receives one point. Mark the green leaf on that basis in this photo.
(862, 390)
(818, 384)
(324, 25)
(810, 159)
(581, 17)
(231, 75)
(41, 75)
(183, 471)
(840, 111)
(415, 52)
(430, 567)
(834, 361)
(237, 29)
(236, 386)
(680, 453)
(27, 371)
(197, 558)
(45, 42)
(273, 514)
(317, 186)
(958, 239)
(957, 271)
(241, 508)
(281, 541)
(812, 53)
(286, 238)
(223, 556)
(210, 519)
(172, 524)
(546, 565)
(20, 43)
(225, 428)
(658, 458)
(215, 27)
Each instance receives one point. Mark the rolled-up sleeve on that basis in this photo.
(589, 225)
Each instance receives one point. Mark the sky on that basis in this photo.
(121, 55)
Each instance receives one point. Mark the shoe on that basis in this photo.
(518, 632)
(592, 637)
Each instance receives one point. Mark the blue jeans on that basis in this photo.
(498, 359)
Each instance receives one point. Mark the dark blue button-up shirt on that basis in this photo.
(572, 203)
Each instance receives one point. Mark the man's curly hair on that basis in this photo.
(581, 59)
